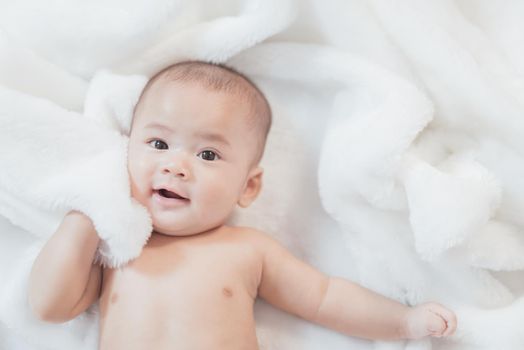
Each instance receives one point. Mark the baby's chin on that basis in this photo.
(173, 232)
(172, 225)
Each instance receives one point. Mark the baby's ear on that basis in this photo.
(251, 188)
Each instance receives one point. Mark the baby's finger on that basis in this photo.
(436, 325)
(450, 319)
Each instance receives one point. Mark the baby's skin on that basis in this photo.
(196, 280)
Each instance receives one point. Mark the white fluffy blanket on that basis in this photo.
(395, 159)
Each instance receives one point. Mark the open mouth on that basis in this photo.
(169, 194)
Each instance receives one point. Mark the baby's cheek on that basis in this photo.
(138, 179)
(220, 196)
(134, 191)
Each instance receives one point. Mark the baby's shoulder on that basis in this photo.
(255, 237)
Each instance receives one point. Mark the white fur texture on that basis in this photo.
(53, 167)
(395, 158)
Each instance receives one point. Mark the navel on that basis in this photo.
(227, 292)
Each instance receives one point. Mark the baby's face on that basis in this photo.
(190, 156)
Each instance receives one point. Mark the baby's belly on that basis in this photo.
(185, 309)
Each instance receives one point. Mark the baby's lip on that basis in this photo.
(169, 192)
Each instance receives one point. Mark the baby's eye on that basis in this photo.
(158, 144)
(208, 155)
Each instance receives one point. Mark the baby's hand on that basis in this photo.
(430, 319)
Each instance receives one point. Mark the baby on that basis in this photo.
(197, 136)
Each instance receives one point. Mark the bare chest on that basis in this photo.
(175, 287)
(199, 272)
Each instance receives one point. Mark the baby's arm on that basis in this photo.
(64, 282)
(344, 306)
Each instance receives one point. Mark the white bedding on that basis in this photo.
(395, 158)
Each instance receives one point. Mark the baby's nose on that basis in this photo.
(179, 172)
(177, 168)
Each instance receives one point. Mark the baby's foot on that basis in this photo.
(430, 319)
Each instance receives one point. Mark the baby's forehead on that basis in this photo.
(168, 90)
(173, 103)
(188, 97)
(192, 97)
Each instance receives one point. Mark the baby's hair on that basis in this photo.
(219, 77)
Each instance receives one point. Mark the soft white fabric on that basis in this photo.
(394, 159)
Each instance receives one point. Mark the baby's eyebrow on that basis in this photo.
(158, 126)
(213, 137)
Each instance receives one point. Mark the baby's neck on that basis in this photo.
(157, 236)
